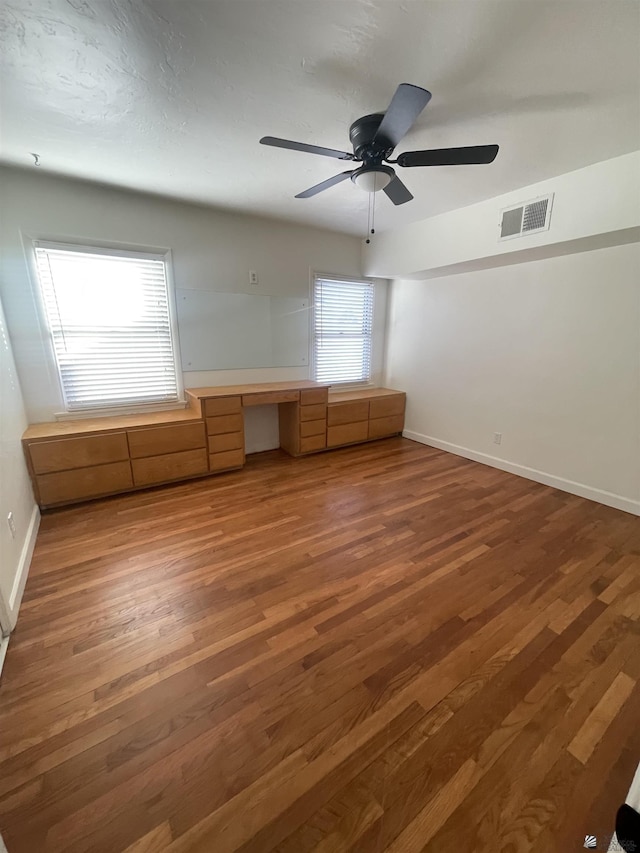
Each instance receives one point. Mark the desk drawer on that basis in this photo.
(171, 466)
(379, 427)
(313, 396)
(266, 398)
(382, 407)
(347, 413)
(347, 434)
(228, 459)
(313, 442)
(316, 412)
(308, 428)
(66, 453)
(227, 441)
(222, 406)
(83, 483)
(225, 423)
(155, 441)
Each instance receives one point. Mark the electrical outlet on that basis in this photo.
(253, 277)
(497, 438)
(12, 525)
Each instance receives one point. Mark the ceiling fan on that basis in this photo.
(375, 136)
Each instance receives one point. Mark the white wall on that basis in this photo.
(593, 207)
(211, 249)
(15, 489)
(546, 352)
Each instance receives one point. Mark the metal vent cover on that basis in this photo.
(511, 222)
(528, 217)
(535, 215)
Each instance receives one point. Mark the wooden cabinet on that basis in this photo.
(223, 406)
(226, 441)
(386, 415)
(72, 461)
(364, 415)
(78, 468)
(348, 413)
(225, 433)
(383, 427)
(64, 454)
(161, 454)
(347, 434)
(226, 460)
(156, 441)
(347, 422)
(78, 484)
(314, 396)
(151, 470)
(318, 411)
(303, 425)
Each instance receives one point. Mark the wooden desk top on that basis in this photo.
(255, 388)
(113, 423)
(87, 426)
(360, 394)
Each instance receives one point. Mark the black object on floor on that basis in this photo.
(628, 829)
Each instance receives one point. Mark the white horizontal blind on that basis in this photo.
(109, 319)
(343, 320)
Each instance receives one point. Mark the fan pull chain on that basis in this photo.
(373, 213)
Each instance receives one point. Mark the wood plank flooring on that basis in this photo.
(381, 648)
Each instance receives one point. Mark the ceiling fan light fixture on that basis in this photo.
(373, 179)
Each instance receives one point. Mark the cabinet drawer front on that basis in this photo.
(167, 439)
(83, 483)
(225, 423)
(382, 407)
(379, 427)
(347, 434)
(228, 459)
(227, 441)
(171, 466)
(266, 398)
(347, 413)
(313, 413)
(308, 428)
(222, 406)
(66, 453)
(314, 395)
(313, 442)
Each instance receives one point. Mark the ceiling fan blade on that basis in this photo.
(449, 156)
(405, 107)
(397, 192)
(309, 149)
(330, 182)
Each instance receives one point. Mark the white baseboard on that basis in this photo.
(23, 567)
(580, 489)
(633, 797)
(4, 642)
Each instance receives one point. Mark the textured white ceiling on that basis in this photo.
(171, 96)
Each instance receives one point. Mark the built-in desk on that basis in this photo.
(71, 461)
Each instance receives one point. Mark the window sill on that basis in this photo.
(82, 414)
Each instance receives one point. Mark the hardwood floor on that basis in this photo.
(381, 648)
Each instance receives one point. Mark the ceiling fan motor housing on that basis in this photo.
(362, 133)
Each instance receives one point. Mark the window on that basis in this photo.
(343, 319)
(109, 318)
